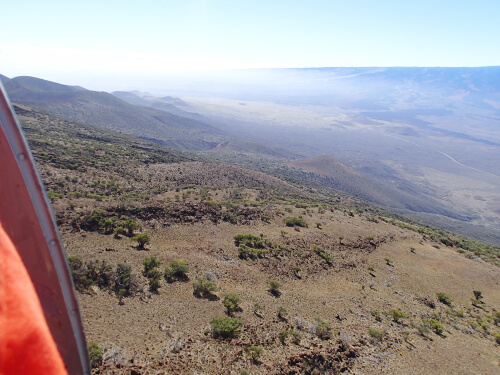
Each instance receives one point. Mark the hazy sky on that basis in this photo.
(101, 43)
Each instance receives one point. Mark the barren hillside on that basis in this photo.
(189, 267)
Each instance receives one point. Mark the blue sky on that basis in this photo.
(90, 41)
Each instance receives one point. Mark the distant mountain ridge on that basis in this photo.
(3, 78)
(105, 110)
(165, 104)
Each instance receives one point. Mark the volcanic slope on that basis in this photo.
(105, 110)
(323, 283)
(341, 177)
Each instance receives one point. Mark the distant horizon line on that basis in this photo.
(292, 68)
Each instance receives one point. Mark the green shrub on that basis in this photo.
(176, 270)
(123, 278)
(434, 325)
(376, 314)
(282, 313)
(93, 220)
(149, 264)
(95, 354)
(119, 231)
(496, 317)
(154, 276)
(323, 254)
(265, 218)
(478, 296)
(476, 302)
(129, 225)
(298, 221)
(99, 273)
(107, 225)
(142, 240)
(78, 273)
(246, 252)
(204, 287)
(225, 327)
(323, 329)
(377, 334)
(282, 336)
(422, 329)
(121, 295)
(231, 302)
(255, 352)
(397, 315)
(443, 298)
(274, 288)
(484, 325)
(497, 337)
(249, 240)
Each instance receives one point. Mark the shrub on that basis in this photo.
(377, 334)
(225, 327)
(295, 336)
(478, 295)
(246, 252)
(298, 221)
(231, 302)
(149, 264)
(78, 273)
(323, 254)
(323, 329)
(95, 354)
(476, 302)
(142, 240)
(282, 336)
(255, 352)
(129, 225)
(99, 272)
(204, 287)
(124, 283)
(154, 277)
(274, 288)
(107, 225)
(422, 329)
(265, 218)
(176, 270)
(443, 298)
(121, 295)
(248, 239)
(434, 325)
(93, 220)
(376, 314)
(497, 337)
(397, 315)
(282, 313)
(388, 262)
(496, 317)
(119, 231)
